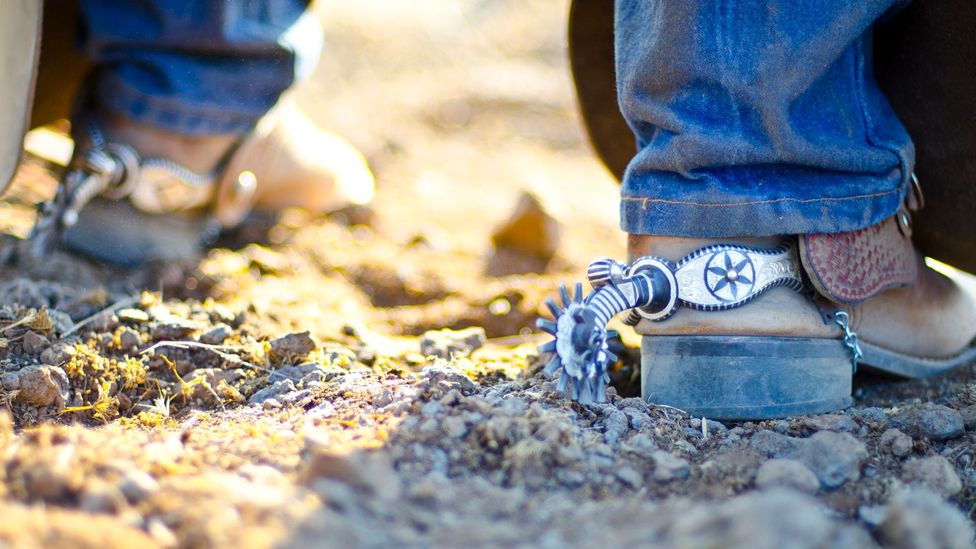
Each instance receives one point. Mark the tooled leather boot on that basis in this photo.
(179, 190)
(781, 351)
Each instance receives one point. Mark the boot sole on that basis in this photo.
(746, 378)
(885, 361)
(115, 232)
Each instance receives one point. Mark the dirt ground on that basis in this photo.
(280, 391)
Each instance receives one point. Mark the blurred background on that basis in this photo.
(461, 105)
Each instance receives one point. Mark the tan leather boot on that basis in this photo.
(187, 187)
(784, 353)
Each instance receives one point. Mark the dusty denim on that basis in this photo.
(197, 66)
(756, 118)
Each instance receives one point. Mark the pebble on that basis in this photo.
(446, 378)
(135, 316)
(872, 515)
(101, 499)
(290, 347)
(830, 422)
(449, 343)
(34, 343)
(629, 476)
(59, 353)
(668, 466)
(897, 442)
(935, 473)
(42, 386)
(454, 427)
(172, 329)
(137, 485)
(10, 381)
(128, 339)
(931, 421)
(641, 445)
(322, 411)
(872, 416)
(774, 445)
(968, 417)
(918, 518)
(531, 229)
(307, 371)
(769, 518)
(834, 457)
(787, 473)
(614, 426)
(216, 335)
(275, 391)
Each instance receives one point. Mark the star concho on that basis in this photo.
(720, 277)
(729, 275)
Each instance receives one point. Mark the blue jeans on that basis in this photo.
(197, 66)
(756, 118)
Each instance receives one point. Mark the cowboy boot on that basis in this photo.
(739, 348)
(179, 190)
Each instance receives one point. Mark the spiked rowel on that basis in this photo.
(580, 353)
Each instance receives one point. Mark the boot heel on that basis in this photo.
(741, 377)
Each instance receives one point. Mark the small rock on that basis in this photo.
(764, 519)
(668, 466)
(919, 518)
(270, 404)
(872, 515)
(446, 378)
(531, 234)
(787, 473)
(275, 391)
(173, 329)
(137, 485)
(322, 411)
(104, 321)
(834, 457)
(774, 445)
(35, 343)
(43, 386)
(291, 347)
(161, 534)
(101, 499)
(133, 316)
(447, 343)
(615, 425)
(872, 416)
(454, 427)
(932, 421)
(935, 473)
(10, 381)
(307, 371)
(215, 335)
(968, 417)
(369, 473)
(897, 442)
(830, 422)
(629, 476)
(128, 339)
(641, 445)
(59, 353)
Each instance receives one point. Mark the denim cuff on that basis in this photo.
(174, 114)
(707, 212)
